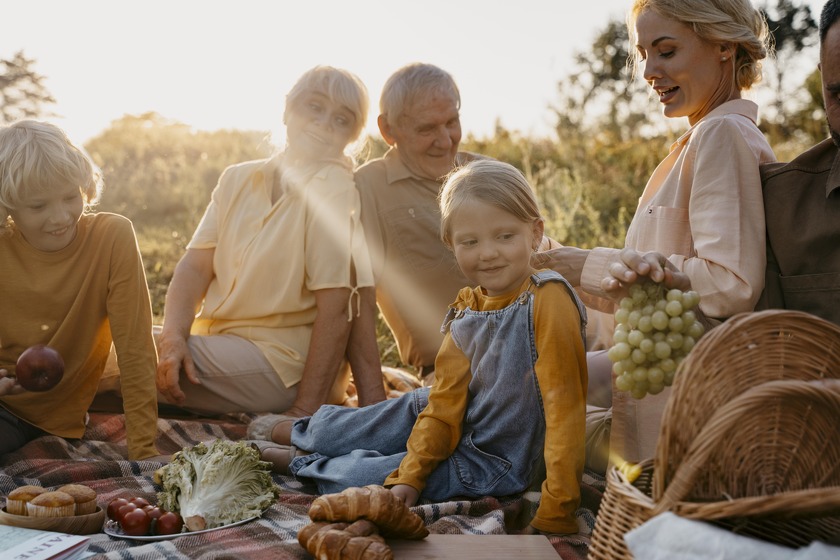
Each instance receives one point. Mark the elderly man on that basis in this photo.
(802, 205)
(416, 275)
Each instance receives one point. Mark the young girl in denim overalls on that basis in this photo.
(510, 387)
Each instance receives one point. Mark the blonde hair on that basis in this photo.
(339, 85)
(37, 156)
(716, 21)
(493, 182)
(411, 82)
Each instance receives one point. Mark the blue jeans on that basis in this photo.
(355, 446)
(360, 446)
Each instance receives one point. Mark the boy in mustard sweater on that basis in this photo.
(71, 280)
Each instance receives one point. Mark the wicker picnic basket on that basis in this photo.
(749, 438)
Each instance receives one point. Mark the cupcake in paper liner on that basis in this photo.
(18, 498)
(52, 504)
(83, 496)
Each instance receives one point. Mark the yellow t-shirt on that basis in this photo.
(270, 258)
(76, 300)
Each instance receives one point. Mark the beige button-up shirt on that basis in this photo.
(416, 274)
(703, 209)
(270, 258)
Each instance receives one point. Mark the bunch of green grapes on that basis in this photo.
(655, 329)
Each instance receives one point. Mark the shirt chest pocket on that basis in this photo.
(414, 232)
(664, 229)
(818, 294)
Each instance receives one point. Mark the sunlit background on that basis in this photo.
(126, 75)
(213, 64)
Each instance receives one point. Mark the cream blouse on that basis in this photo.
(703, 209)
(270, 258)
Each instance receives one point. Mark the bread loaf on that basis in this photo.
(374, 503)
(340, 541)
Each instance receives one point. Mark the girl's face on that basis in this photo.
(689, 75)
(319, 128)
(492, 246)
(48, 220)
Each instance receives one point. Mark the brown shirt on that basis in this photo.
(802, 205)
(415, 273)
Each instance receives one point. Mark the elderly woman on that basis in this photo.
(277, 270)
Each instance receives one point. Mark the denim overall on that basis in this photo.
(501, 446)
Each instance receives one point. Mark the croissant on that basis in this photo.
(374, 503)
(340, 541)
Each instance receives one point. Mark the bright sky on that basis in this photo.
(223, 64)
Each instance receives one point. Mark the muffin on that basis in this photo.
(52, 504)
(84, 496)
(18, 498)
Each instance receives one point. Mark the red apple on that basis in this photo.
(114, 506)
(39, 368)
(136, 522)
(169, 523)
(139, 501)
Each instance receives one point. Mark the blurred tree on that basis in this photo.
(611, 135)
(812, 115)
(22, 90)
(794, 32)
(801, 127)
(601, 94)
(159, 173)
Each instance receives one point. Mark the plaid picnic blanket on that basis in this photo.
(99, 461)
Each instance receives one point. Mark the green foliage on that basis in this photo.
(22, 90)
(794, 31)
(159, 174)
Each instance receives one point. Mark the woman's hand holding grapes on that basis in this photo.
(633, 267)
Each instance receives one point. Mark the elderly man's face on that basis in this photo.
(830, 71)
(427, 135)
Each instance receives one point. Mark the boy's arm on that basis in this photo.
(561, 372)
(130, 317)
(438, 428)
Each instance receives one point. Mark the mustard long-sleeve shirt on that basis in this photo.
(562, 377)
(77, 300)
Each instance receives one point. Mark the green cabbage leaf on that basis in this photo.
(216, 485)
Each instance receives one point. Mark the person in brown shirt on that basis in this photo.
(802, 205)
(415, 274)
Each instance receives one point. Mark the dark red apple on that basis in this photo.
(114, 506)
(169, 523)
(39, 368)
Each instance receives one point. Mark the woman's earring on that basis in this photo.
(723, 59)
